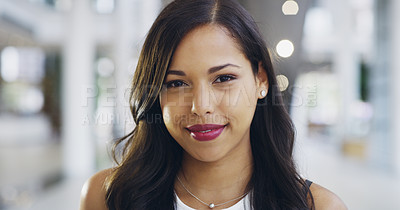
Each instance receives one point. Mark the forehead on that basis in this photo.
(207, 44)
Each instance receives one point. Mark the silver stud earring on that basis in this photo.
(263, 93)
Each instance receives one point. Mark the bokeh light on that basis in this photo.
(10, 64)
(290, 7)
(283, 82)
(285, 48)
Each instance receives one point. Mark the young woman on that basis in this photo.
(211, 129)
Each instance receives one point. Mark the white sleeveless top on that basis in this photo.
(243, 204)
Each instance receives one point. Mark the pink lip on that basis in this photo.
(197, 131)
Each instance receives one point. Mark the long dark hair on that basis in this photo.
(151, 158)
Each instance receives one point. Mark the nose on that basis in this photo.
(202, 102)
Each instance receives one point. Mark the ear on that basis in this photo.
(262, 80)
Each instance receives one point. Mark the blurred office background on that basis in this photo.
(66, 66)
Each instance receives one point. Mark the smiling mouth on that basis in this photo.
(206, 132)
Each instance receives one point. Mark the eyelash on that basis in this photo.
(173, 82)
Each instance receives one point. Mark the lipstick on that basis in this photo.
(205, 132)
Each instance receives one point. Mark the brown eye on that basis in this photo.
(175, 83)
(225, 78)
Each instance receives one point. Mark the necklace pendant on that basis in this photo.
(211, 205)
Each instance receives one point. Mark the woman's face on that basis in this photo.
(210, 94)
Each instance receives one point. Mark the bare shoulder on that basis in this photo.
(94, 192)
(324, 199)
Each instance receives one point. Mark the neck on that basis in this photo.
(220, 180)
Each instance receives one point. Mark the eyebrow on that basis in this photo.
(210, 71)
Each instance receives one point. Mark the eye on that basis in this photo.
(175, 83)
(225, 78)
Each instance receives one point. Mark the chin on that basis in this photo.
(208, 156)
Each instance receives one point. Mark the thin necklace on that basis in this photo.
(210, 205)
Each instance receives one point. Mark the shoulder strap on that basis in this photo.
(308, 183)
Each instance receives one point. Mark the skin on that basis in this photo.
(216, 170)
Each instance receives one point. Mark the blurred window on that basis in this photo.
(22, 71)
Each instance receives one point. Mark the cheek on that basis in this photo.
(165, 110)
(170, 115)
(173, 115)
(239, 105)
(174, 119)
(170, 120)
(240, 97)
